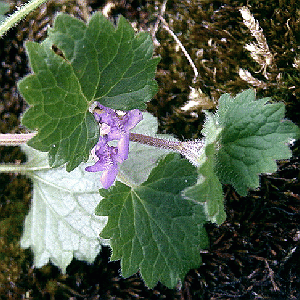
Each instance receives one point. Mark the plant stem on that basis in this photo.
(9, 139)
(19, 14)
(13, 168)
(22, 169)
(155, 142)
(192, 150)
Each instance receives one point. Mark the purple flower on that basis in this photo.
(107, 162)
(119, 126)
(113, 127)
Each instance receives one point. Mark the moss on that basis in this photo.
(15, 200)
(214, 35)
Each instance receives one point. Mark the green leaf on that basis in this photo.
(61, 223)
(152, 227)
(99, 62)
(254, 135)
(58, 109)
(208, 189)
(113, 66)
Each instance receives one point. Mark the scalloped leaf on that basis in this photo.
(152, 227)
(113, 66)
(254, 135)
(58, 109)
(61, 223)
(99, 62)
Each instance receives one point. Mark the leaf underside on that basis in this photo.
(95, 62)
(152, 227)
(61, 223)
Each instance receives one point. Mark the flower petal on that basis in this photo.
(114, 134)
(107, 115)
(131, 118)
(108, 176)
(113, 127)
(123, 147)
(97, 167)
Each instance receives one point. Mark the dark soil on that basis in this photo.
(255, 254)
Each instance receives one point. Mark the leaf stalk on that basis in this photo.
(16, 139)
(155, 142)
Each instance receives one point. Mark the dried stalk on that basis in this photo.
(259, 51)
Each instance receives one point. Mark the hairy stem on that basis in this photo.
(192, 150)
(155, 142)
(19, 14)
(13, 168)
(8, 139)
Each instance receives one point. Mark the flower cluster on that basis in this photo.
(113, 127)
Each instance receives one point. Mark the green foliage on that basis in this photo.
(58, 108)
(155, 222)
(152, 227)
(113, 66)
(254, 135)
(208, 190)
(99, 63)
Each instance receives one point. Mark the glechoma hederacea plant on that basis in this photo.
(156, 193)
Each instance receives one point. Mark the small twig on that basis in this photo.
(271, 275)
(271, 272)
(155, 28)
(167, 28)
(72, 291)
